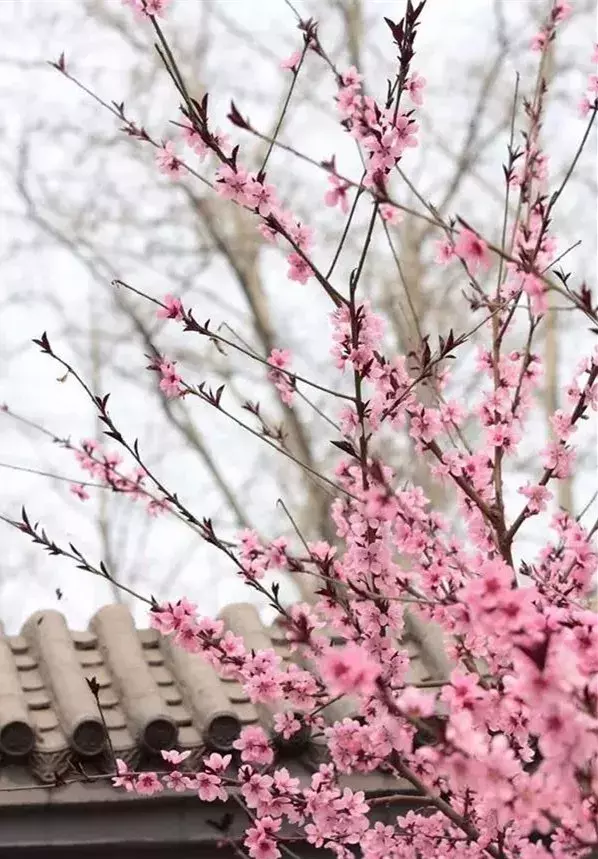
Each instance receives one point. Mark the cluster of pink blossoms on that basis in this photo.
(349, 670)
(171, 383)
(262, 674)
(280, 359)
(357, 349)
(384, 135)
(505, 754)
(246, 189)
(104, 468)
(544, 657)
(503, 409)
(235, 183)
(560, 11)
(194, 140)
(535, 248)
(207, 783)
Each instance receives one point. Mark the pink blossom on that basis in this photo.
(558, 734)
(249, 539)
(414, 85)
(175, 757)
(349, 420)
(337, 195)
(558, 459)
(498, 768)
(235, 185)
(384, 150)
(416, 703)
(472, 250)
(276, 552)
(176, 781)
(125, 777)
(300, 270)
(254, 746)
(291, 63)
(170, 381)
(88, 456)
(352, 77)
(538, 497)
(187, 636)
(286, 724)
(426, 424)
(302, 235)
(280, 359)
(265, 199)
(155, 7)
(584, 106)
(259, 839)
(216, 763)
(349, 669)
(256, 790)
(391, 213)
(561, 11)
(163, 620)
(147, 784)
(173, 309)
(539, 41)
(167, 161)
(193, 139)
(406, 129)
(170, 617)
(371, 329)
(264, 688)
(148, 7)
(156, 506)
(451, 412)
(561, 424)
(80, 491)
(267, 232)
(348, 101)
(209, 787)
(593, 84)
(502, 435)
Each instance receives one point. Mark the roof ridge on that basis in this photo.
(149, 693)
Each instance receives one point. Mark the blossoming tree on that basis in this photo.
(73, 186)
(510, 765)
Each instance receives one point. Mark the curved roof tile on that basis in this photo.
(151, 694)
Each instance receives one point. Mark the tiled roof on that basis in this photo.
(152, 695)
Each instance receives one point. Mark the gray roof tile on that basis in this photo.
(152, 694)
